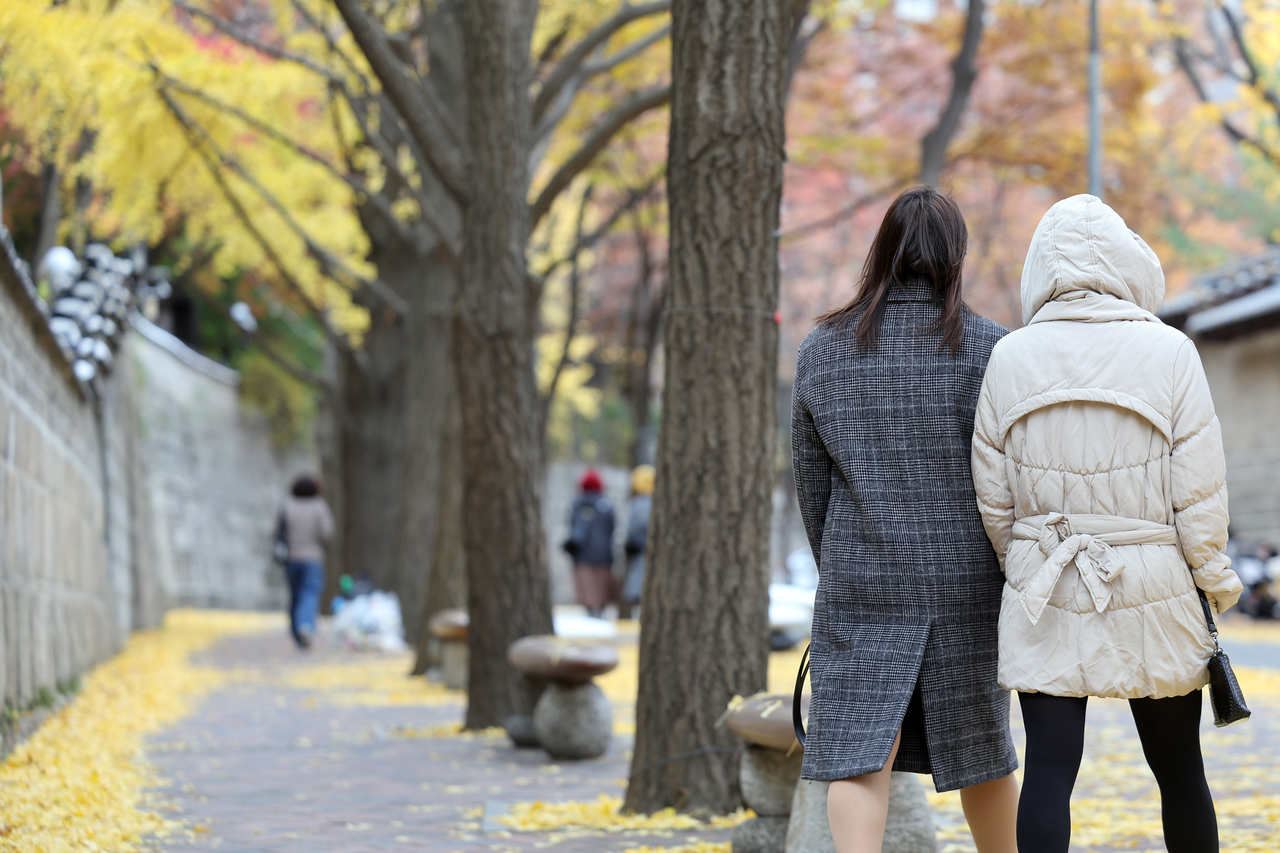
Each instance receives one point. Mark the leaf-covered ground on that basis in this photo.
(214, 733)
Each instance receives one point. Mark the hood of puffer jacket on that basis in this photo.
(1082, 246)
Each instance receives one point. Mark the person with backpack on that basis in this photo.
(590, 543)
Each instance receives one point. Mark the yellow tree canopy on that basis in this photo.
(84, 81)
(254, 152)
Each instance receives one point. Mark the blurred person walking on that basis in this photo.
(590, 543)
(305, 525)
(904, 626)
(637, 541)
(1099, 469)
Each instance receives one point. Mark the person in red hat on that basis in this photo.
(590, 543)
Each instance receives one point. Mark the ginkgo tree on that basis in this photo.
(388, 163)
(1231, 62)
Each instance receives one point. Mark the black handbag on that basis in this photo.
(1224, 691)
(280, 548)
(797, 721)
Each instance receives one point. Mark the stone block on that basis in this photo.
(908, 829)
(454, 664)
(760, 835)
(573, 720)
(768, 778)
(520, 729)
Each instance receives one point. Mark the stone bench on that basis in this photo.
(572, 718)
(769, 770)
(450, 627)
(793, 811)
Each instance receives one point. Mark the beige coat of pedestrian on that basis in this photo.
(308, 528)
(1099, 470)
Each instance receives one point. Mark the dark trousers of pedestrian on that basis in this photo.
(1170, 733)
(592, 585)
(306, 580)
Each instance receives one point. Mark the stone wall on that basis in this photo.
(1244, 376)
(147, 487)
(60, 600)
(214, 480)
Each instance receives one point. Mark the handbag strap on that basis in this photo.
(797, 722)
(1208, 617)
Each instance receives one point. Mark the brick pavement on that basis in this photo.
(266, 765)
(263, 766)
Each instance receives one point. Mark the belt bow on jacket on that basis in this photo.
(1087, 541)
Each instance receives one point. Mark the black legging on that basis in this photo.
(1170, 734)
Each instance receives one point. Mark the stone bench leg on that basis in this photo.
(454, 664)
(909, 829)
(573, 720)
(768, 779)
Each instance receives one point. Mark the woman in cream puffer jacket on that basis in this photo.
(1098, 465)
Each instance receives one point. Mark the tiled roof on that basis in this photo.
(1223, 285)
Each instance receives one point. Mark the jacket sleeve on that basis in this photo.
(990, 473)
(811, 465)
(1198, 480)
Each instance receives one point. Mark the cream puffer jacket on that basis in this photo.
(1100, 475)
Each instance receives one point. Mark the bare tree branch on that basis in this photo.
(575, 289)
(215, 170)
(200, 259)
(626, 54)
(586, 241)
(303, 12)
(299, 373)
(799, 46)
(833, 219)
(233, 32)
(381, 144)
(1255, 80)
(359, 104)
(417, 104)
(1183, 53)
(559, 107)
(334, 267)
(279, 308)
(548, 52)
(636, 105)
(933, 149)
(379, 141)
(570, 65)
(379, 202)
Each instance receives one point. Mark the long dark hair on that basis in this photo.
(922, 238)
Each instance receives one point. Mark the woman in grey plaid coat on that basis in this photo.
(904, 648)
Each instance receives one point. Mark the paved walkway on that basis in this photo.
(336, 751)
(272, 763)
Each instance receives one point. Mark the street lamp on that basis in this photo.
(1095, 107)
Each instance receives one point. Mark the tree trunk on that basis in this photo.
(447, 578)
(933, 148)
(50, 213)
(507, 582)
(707, 579)
(429, 408)
(366, 456)
(431, 558)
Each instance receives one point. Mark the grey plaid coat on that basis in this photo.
(904, 627)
